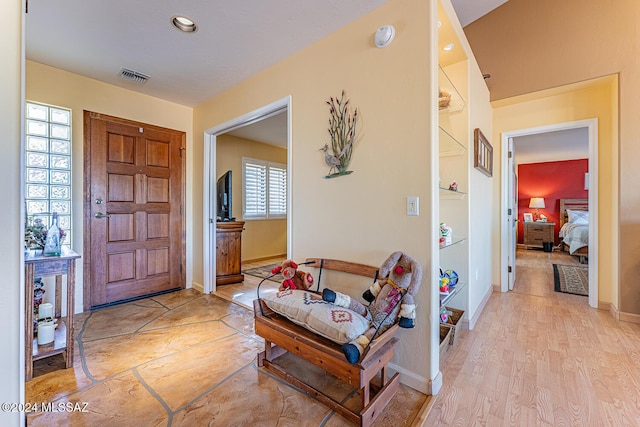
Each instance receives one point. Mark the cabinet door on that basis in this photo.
(228, 253)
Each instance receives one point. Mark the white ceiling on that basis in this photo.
(470, 10)
(235, 40)
(272, 131)
(567, 144)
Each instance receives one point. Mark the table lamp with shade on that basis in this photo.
(537, 203)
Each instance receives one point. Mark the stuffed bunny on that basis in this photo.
(391, 301)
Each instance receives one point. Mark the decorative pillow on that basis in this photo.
(307, 309)
(578, 217)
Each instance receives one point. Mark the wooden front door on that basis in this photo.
(133, 234)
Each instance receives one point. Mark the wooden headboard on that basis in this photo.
(574, 205)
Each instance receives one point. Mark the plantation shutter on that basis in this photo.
(277, 191)
(264, 189)
(255, 190)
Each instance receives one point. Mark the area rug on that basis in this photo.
(264, 271)
(571, 279)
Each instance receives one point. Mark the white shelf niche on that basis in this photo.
(457, 102)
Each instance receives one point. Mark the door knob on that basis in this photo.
(101, 215)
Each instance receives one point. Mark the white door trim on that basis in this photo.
(592, 127)
(209, 181)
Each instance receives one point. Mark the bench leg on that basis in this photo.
(271, 352)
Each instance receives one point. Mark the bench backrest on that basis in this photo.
(344, 267)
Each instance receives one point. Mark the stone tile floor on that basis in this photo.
(186, 358)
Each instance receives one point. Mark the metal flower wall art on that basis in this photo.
(342, 130)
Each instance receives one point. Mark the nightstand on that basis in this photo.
(537, 232)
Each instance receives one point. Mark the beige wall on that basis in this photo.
(57, 87)
(11, 288)
(559, 43)
(260, 238)
(360, 217)
(595, 99)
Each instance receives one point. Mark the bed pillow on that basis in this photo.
(578, 217)
(307, 309)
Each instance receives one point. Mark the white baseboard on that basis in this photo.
(629, 317)
(435, 385)
(617, 314)
(483, 303)
(607, 306)
(198, 287)
(411, 379)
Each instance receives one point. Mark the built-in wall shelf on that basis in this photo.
(449, 146)
(444, 299)
(445, 193)
(454, 241)
(456, 102)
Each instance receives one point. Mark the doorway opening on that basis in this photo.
(511, 218)
(278, 113)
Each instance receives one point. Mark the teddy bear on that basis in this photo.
(293, 278)
(391, 301)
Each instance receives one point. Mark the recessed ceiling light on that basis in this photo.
(439, 24)
(448, 47)
(184, 24)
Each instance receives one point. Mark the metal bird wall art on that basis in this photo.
(342, 130)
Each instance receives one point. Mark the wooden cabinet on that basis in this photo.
(535, 233)
(37, 265)
(228, 252)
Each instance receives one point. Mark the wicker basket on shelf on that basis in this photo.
(444, 99)
(455, 322)
(445, 338)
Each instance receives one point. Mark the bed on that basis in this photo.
(574, 227)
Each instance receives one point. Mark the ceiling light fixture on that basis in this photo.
(184, 24)
(448, 47)
(385, 35)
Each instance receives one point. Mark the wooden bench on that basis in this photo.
(282, 336)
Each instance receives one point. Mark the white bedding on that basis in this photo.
(576, 236)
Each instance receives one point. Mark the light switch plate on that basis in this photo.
(413, 207)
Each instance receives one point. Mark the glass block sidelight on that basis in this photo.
(36, 143)
(60, 162)
(48, 165)
(60, 147)
(37, 175)
(60, 177)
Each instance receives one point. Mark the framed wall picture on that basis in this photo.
(528, 217)
(483, 153)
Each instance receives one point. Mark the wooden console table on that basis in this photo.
(37, 265)
(229, 252)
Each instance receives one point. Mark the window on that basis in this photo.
(264, 187)
(48, 165)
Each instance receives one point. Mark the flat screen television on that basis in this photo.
(223, 189)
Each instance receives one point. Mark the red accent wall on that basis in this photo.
(553, 181)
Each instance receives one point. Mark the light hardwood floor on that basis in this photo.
(541, 358)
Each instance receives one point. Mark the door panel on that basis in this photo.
(133, 216)
(513, 218)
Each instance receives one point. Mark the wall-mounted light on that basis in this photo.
(385, 35)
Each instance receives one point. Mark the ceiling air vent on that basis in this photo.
(134, 76)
